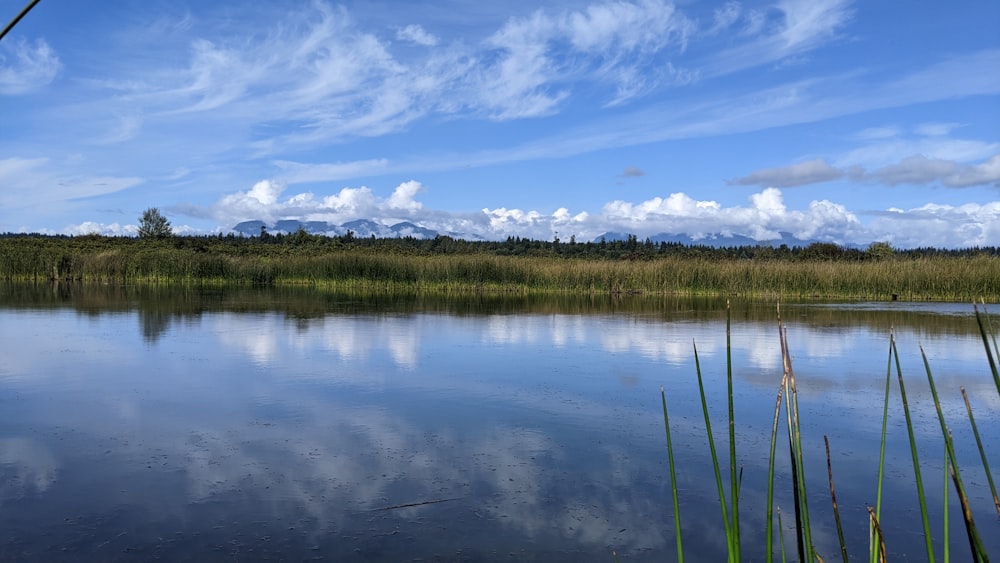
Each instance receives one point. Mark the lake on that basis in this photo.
(241, 424)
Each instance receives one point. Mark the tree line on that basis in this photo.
(631, 248)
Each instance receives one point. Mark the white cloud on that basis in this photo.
(764, 218)
(613, 42)
(264, 201)
(808, 22)
(940, 225)
(416, 34)
(402, 197)
(804, 25)
(91, 227)
(25, 67)
(266, 192)
(723, 18)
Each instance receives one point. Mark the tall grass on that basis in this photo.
(787, 400)
(136, 261)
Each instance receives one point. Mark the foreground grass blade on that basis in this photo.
(804, 536)
(715, 458)
(833, 497)
(913, 454)
(944, 496)
(976, 543)
(872, 539)
(673, 479)
(769, 533)
(781, 537)
(733, 478)
(978, 556)
(982, 452)
(986, 331)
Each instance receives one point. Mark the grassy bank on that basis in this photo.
(373, 265)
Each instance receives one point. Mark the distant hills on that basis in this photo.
(365, 228)
(361, 228)
(716, 240)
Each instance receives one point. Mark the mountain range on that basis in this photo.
(365, 228)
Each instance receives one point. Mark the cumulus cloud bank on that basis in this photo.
(764, 217)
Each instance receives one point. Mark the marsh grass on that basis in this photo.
(787, 400)
(339, 266)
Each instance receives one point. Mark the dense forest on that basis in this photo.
(630, 249)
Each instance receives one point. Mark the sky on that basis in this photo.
(847, 122)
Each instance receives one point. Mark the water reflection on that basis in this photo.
(299, 424)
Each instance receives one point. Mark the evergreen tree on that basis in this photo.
(153, 224)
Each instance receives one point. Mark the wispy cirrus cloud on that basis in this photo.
(415, 33)
(299, 173)
(26, 66)
(332, 79)
(795, 28)
(30, 181)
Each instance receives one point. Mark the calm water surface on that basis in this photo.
(246, 425)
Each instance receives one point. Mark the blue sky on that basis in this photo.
(833, 120)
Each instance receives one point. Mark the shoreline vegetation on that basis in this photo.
(801, 543)
(444, 264)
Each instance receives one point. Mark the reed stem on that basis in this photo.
(833, 497)
(715, 459)
(982, 451)
(872, 543)
(733, 479)
(769, 532)
(921, 497)
(673, 480)
(976, 543)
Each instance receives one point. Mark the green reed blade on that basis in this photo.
(769, 532)
(913, 454)
(978, 550)
(986, 331)
(989, 327)
(806, 550)
(792, 461)
(947, 551)
(982, 451)
(781, 537)
(715, 457)
(833, 497)
(673, 479)
(872, 552)
(733, 478)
